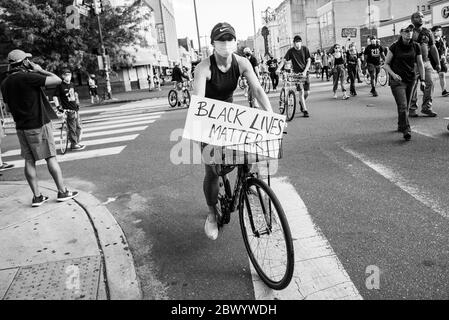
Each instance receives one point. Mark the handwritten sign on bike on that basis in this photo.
(225, 124)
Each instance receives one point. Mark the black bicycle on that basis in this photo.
(263, 223)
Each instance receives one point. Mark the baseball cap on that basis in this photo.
(407, 26)
(64, 71)
(17, 56)
(247, 50)
(297, 39)
(220, 30)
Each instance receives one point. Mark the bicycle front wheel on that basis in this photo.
(282, 101)
(383, 77)
(63, 138)
(186, 95)
(267, 85)
(291, 105)
(172, 98)
(266, 234)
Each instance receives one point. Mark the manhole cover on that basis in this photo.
(73, 279)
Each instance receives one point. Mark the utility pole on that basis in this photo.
(97, 10)
(369, 19)
(254, 23)
(197, 28)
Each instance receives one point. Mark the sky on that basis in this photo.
(237, 12)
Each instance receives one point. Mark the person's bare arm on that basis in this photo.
(202, 73)
(51, 79)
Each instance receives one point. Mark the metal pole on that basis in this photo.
(197, 28)
(254, 23)
(103, 54)
(369, 18)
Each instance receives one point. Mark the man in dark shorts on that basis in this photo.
(67, 99)
(440, 43)
(272, 69)
(301, 60)
(373, 55)
(32, 113)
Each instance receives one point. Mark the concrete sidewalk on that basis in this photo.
(71, 250)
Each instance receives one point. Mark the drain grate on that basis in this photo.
(73, 279)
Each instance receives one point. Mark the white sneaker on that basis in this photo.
(211, 229)
(345, 96)
(335, 96)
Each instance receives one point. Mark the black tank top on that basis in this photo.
(222, 85)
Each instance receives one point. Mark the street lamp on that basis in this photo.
(197, 27)
(254, 25)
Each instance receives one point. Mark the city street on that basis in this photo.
(368, 211)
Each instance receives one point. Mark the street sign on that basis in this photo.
(72, 20)
(100, 63)
(349, 32)
(83, 10)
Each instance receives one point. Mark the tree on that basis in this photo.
(38, 27)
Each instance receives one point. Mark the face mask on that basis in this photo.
(298, 45)
(225, 48)
(67, 78)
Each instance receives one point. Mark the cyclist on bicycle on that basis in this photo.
(217, 78)
(66, 99)
(301, 60)
(177, 77)
(253, 60)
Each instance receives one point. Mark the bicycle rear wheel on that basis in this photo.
(291, 105)
(282, 101)
(266, 234)
(63, 138)
(267, 84)
(172, 98)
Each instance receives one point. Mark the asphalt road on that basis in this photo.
(377, 200)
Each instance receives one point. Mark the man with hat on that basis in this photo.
(373, 55)
(301, 60)
(32, 113)
(426, 40)
(66, 98)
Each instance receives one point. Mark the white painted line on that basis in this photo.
(125, 107)
(116, 126)
(318, 274)
(121, 115)
(77, 155)
(393, 176)
(423, 133)
(118, 120)
(106, 133)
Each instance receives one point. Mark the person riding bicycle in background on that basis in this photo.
(301, 60)
(253, 60)
(374, 53)
(177, 77)
(217, 78)
(66, 98)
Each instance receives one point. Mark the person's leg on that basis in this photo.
(335, 79)
(342, 78)
(72, 126)
(352, 77)
(398, 89)
(56, 173)
(31, 176)
(428, 91)
(414, 100)
(78, 126)
(276, 79)
(371, 71)
(211, 188)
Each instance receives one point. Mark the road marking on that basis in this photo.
(122, 115)
(407, 186)
(116, 126)
(423, 133)
(318, 274)
(118, 120)
(106, 133)
(144, 104)
(77, 155)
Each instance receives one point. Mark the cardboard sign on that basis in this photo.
(220, 123)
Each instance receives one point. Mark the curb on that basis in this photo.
(120, 274)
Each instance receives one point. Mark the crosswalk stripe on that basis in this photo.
(120, 115)
(400, 181)
(76, 155)
(318, 274)
(116, 126)
(107, 133)
(125, 107)
(16, 152)
(119, 120)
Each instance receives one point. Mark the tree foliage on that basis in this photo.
(39, 27)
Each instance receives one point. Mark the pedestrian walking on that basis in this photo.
(338, 70)
(301, 60)
(3, 165)
(425, 39)
(440, 43)
(32, 113)
(353, 64)
(66, 98)
(272, 69)
(325, 58)
(400, 65)
(93, 88)
(157, 80)
(374, 53)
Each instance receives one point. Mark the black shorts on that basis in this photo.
(306, 84)
(443, 67)
(93, 91)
